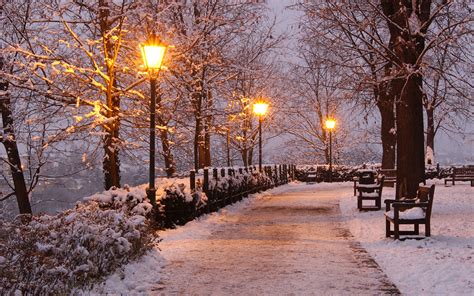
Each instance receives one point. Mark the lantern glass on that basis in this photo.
(330, 124)
(260, 108)
(153, 55)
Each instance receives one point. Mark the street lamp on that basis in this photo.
(153, 52)
(260, 109)
(330, 125)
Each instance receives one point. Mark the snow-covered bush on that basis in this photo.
(339, 173)
(74, 249)
(179, 205)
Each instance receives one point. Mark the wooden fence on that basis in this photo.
(224, 186)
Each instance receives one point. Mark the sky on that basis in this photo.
(450, 148)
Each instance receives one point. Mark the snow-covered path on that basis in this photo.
(292, 242)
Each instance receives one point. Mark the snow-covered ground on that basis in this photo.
(440, 265)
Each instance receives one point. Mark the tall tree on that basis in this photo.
(408, 23)
(8, 138)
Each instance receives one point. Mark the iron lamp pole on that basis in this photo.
(260, 109)
(153, 52)
(330, 125)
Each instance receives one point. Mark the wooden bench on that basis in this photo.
(390, 176)
(364, 176)
(370, 192)
(311, 176)
(461, 174)
(412, 212)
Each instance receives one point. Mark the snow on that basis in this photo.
(439, 265)
(410, 214)
(429, 157)
(189, 257)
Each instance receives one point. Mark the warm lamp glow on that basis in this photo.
(153, 53)
(260, 108)
(330, 124)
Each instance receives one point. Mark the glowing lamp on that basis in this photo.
(260, 108)
(153, 53)
(330, 124)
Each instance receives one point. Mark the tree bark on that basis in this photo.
(167, 153)
(207, 135)
(385, 105)
(197, 131)
(111, 163)
(406, 48)
(430, 132)
(11, 147)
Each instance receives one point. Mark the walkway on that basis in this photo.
(293, 243)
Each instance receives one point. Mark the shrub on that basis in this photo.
(178, 205)
(74, 249)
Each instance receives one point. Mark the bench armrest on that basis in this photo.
(399, 202)
(410, 205)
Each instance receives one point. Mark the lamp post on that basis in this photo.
(330, 125)
(260, 109)
(153, 52)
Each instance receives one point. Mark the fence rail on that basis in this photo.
(224, 186)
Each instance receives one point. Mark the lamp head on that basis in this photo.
(153, 52)
(330, 123)
(260, 108)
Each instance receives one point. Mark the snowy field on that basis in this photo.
(440, 265)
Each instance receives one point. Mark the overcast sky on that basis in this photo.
(449, 148)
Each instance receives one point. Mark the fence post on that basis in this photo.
(274, 173)
(222, 172)
(214, 174)
(205, 183)
(241, 171)
(192, 180)
(280, 175)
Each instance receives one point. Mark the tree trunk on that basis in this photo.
(245, 156)
(197, 132)
(407, 84)
(207, 135)
(202, 147)
(410, 136)
(430, 135)
(387, 131)
(168, 157)
(11, 147)
(111, 163)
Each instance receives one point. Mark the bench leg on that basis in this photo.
(355, 193)
(453, 181)
(387, 228)
(396, 229)
(417, 229)
(427, 229)
(378, 202)
(359, 203)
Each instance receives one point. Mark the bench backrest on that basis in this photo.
(366, 177)
(389, 173)
(464, 171)
(426, 194)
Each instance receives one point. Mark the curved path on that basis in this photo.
(291, 243)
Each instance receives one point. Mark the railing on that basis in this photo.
(224, 186)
